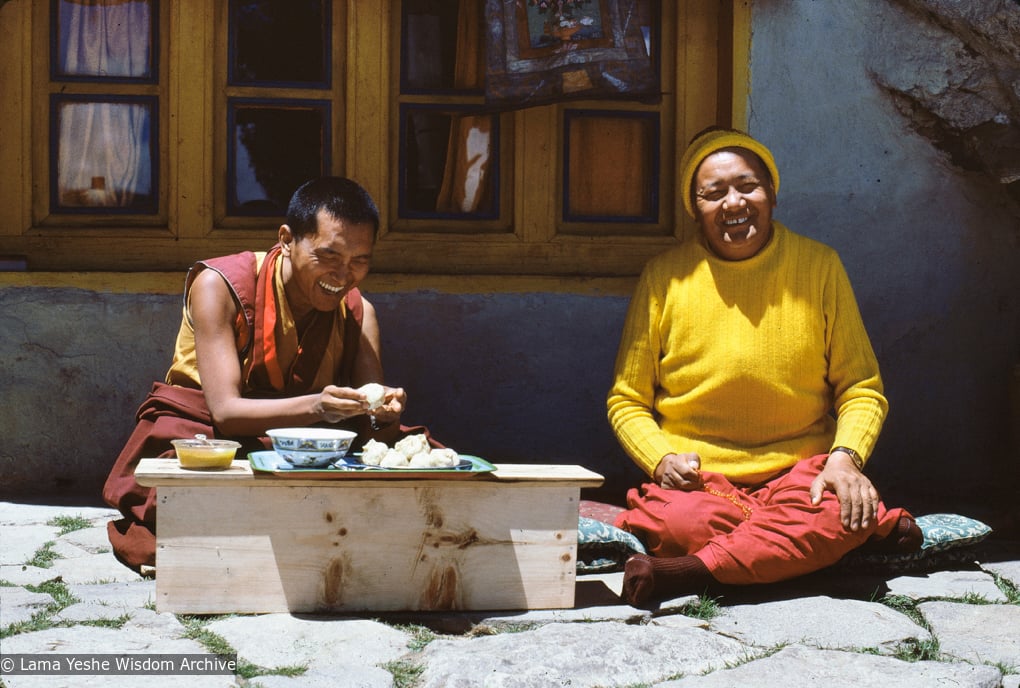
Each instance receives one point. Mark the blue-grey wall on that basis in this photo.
(514, 377)
(932, 252)
(510, 377)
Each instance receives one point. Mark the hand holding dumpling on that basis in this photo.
(384, 404)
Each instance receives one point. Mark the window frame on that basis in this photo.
(238, 226)
(189, 225)
(589, 223)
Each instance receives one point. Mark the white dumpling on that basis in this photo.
(420, 460)
(445, 457)
(393, 459)
(374, 394)
(411, 445)
(373, 452)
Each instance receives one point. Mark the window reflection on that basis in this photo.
(105, 39)
(105, 154)
(274, 148)
(448, 158)
(430, 45)
(279, 42)
(449, 162)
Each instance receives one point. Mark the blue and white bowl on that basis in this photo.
(311, 447)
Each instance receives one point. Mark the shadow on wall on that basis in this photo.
(516, 378)
(510, 377)
(75, 364)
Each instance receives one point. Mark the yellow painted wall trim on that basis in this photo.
(741, 62)
(173, 282)
(106, 282)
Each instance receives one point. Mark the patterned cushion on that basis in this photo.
(602, 548)
(946, 531)
(600, 511)
(945, 537)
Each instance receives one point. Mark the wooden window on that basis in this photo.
(281, 100)
(582, 187)
(102, 156)
(449, 169)
(147, 134)
(610, 166)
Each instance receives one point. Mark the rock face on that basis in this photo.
(958, 84)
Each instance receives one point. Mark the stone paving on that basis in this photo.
(63, 593)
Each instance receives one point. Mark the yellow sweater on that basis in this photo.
(743, 362)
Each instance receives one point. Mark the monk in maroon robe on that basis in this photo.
(279, 339)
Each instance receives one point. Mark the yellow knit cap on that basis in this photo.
(713, 141)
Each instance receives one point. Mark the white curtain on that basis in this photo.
(104, 146)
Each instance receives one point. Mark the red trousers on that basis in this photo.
(746, 535)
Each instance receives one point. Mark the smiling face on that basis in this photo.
(734, 202)
(321, 267)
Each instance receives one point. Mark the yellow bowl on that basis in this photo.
(205, 454)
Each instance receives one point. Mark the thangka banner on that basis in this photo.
(546, 51)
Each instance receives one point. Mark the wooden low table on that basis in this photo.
(238, 541)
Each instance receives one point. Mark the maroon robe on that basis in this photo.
(171, 412)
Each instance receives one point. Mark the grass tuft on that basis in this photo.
(69, 524)
(420, 635)
(704, 608)
(44, 556)
(195, 630)
(405, 674)
(43, 619)
(915, 650)
(1008, 588)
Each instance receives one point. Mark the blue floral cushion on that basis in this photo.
(946, 531)
(602, 548)
(945, 538)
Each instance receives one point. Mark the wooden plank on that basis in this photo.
(436, 545)
(155, 472)
(577, 475)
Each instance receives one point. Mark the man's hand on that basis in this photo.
(340, 403)
(679, 472)
(858, 498)
(394, 401)
(336, 404)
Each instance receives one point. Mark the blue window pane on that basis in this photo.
(275, 146)
(279, 42)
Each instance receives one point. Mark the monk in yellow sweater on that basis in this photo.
(747, 389)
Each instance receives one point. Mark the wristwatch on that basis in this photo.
(854, 456)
